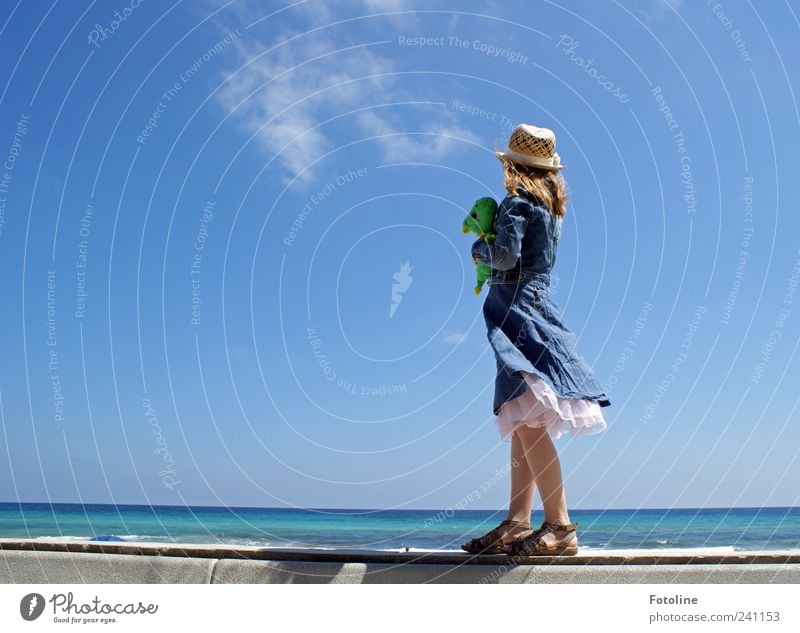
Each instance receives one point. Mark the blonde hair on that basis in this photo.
(547, 185)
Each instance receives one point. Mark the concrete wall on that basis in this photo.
(46, 562)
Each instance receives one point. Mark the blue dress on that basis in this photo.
(524, 325)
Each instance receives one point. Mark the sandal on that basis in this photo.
(537, 545)
(489, 543)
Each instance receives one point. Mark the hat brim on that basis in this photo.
(531, 161)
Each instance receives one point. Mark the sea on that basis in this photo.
(696, 529)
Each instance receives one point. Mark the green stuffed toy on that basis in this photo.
(481, 222)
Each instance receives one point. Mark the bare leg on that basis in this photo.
(522, 483)
(546, 469)
(522, 488)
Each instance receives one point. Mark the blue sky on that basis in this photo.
(225, 192)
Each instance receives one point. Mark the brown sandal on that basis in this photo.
(489, 543)
(536, 545)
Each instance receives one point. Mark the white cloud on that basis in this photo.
(280, 96)
(453, 337)
(435, 141)
(652, 11)
(285, 96)
(388, 5)
(325, 12)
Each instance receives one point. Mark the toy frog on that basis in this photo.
(480, 221)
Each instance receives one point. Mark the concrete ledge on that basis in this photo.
(70, 568)
(51, 561)
(233, 571)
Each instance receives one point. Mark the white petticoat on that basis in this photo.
(541, 406)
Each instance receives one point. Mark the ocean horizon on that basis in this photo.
(717, 529)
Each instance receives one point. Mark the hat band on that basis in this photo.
(536, 161)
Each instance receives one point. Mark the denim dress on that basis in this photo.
(524, 325)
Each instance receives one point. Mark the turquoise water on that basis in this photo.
(736, 528)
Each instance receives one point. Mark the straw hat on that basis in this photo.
(534, 146)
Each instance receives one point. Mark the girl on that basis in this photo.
(544, 388)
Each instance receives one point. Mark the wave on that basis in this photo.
(69, 537)
(710, 549)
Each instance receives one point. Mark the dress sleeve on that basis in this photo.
(512, 220)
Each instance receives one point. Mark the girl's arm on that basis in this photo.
(512, 220)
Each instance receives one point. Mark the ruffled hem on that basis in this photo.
(541, 406)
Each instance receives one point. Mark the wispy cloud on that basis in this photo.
(453, 337)
(282, 96)
(287, 91)
(388, 5)
(321, 11)
(434, 141)
(652, 11)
